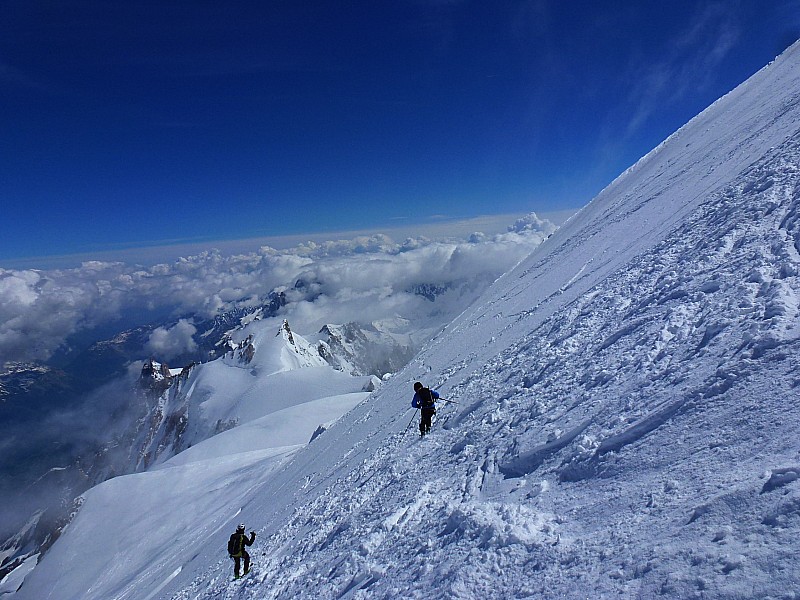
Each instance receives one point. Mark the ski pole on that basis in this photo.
(410, 422)
(450, 401)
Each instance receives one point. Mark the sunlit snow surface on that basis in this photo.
(626, 426)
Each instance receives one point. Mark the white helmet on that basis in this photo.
(240, 527)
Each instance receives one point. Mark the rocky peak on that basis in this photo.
(286, 331)
(246, 349)
(155, 376)
(362, 349)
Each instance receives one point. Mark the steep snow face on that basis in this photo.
(376, 348)
(625, 423)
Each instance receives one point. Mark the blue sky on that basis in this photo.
(137, 123)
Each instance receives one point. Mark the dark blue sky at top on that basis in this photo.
(144, 122)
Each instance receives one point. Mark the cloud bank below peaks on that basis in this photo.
(364, 279)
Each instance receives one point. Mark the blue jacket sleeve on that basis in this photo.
(415, 401)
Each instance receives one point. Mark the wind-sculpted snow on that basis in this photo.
(622, 418)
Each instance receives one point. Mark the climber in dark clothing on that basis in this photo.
(236, 548)
(425, 400)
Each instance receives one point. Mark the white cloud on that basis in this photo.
(690, 63)
(532, 222)
(168, 343)
(362, 279)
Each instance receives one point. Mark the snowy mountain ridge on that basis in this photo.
(167, 420)
(623, 424)
(375, 349)
(242, 385)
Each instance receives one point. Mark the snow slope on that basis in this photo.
(626, 422)
(271, 393)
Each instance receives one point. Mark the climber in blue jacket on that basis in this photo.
(425, 400)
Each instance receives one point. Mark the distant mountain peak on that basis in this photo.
(286, 331)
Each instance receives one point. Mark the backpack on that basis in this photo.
(235, 544)
(425, 398)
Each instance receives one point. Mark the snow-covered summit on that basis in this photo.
(269, 368)
(625, 426)
(367, 349)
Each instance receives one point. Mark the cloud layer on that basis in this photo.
(363, 279)
(168, 342)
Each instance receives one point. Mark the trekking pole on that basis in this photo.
(450, 401)
(414, 416)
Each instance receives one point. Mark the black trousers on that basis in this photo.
(425, 419)
(237, 560)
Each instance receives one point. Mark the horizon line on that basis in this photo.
(155, 252)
